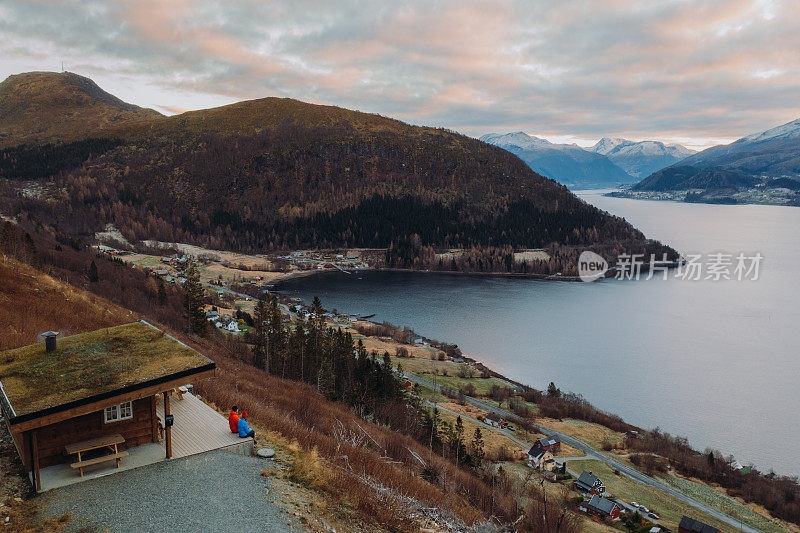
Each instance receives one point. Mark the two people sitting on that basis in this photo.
(237, 420)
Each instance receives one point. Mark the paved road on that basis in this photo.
(591, 453)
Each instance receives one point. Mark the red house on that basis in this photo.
(551, 444)
(601, 508)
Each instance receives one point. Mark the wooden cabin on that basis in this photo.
(85, 399)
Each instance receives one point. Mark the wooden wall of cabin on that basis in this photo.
(138, 430)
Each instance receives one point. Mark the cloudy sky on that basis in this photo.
(696, 72)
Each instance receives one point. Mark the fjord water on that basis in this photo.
(715, 361)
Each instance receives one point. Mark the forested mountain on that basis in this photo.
(685, 177)
(566, 163)
(272, 173)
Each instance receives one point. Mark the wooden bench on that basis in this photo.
(109, 441)
(179, 392)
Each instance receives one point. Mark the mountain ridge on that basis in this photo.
(38, 107)
(281, 173)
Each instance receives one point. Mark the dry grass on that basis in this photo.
(21, 515)
(423, 365)
(495, 443)
(32, 302)
(367, 465)
(91, 363)
(473, 411)
(214, 271)
(418, 354)
(594, 435)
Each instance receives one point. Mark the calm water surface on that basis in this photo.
(717, 362)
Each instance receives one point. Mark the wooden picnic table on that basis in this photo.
(108, 441)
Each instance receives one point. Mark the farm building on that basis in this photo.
(493, 419)
(690, 525)
(551, 444)
(88, 402)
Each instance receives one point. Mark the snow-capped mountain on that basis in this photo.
(566, 163)
(640, 158)
(774, 153)
(762, 167)
(790, 130)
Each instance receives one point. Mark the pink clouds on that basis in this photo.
(711, 69)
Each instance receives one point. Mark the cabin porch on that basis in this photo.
(197, 429)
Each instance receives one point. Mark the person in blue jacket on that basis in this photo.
(244, 429)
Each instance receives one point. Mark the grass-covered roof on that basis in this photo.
(90, 364)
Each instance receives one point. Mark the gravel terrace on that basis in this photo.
(214, 491)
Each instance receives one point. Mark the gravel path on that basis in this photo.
(214, 491)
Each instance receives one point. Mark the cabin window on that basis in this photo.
(115, 413)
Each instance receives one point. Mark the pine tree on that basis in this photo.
(162, 293)
(477, 447)
(458, 443)
(93, 275)
(277, 333)
(326, 379)
(553, 391)
(193, 300)
(434, 427)
(261, 333)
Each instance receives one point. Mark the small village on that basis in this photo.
(592, 468)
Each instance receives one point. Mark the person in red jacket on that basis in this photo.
(233, 419)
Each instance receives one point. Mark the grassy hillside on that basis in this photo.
(48, 304)
(37, 107)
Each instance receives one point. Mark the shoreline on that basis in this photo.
(680, 197)
(469, 359)
(299, 274)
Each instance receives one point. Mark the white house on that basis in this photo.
(541, 459)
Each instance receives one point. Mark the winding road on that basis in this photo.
(591, 453)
